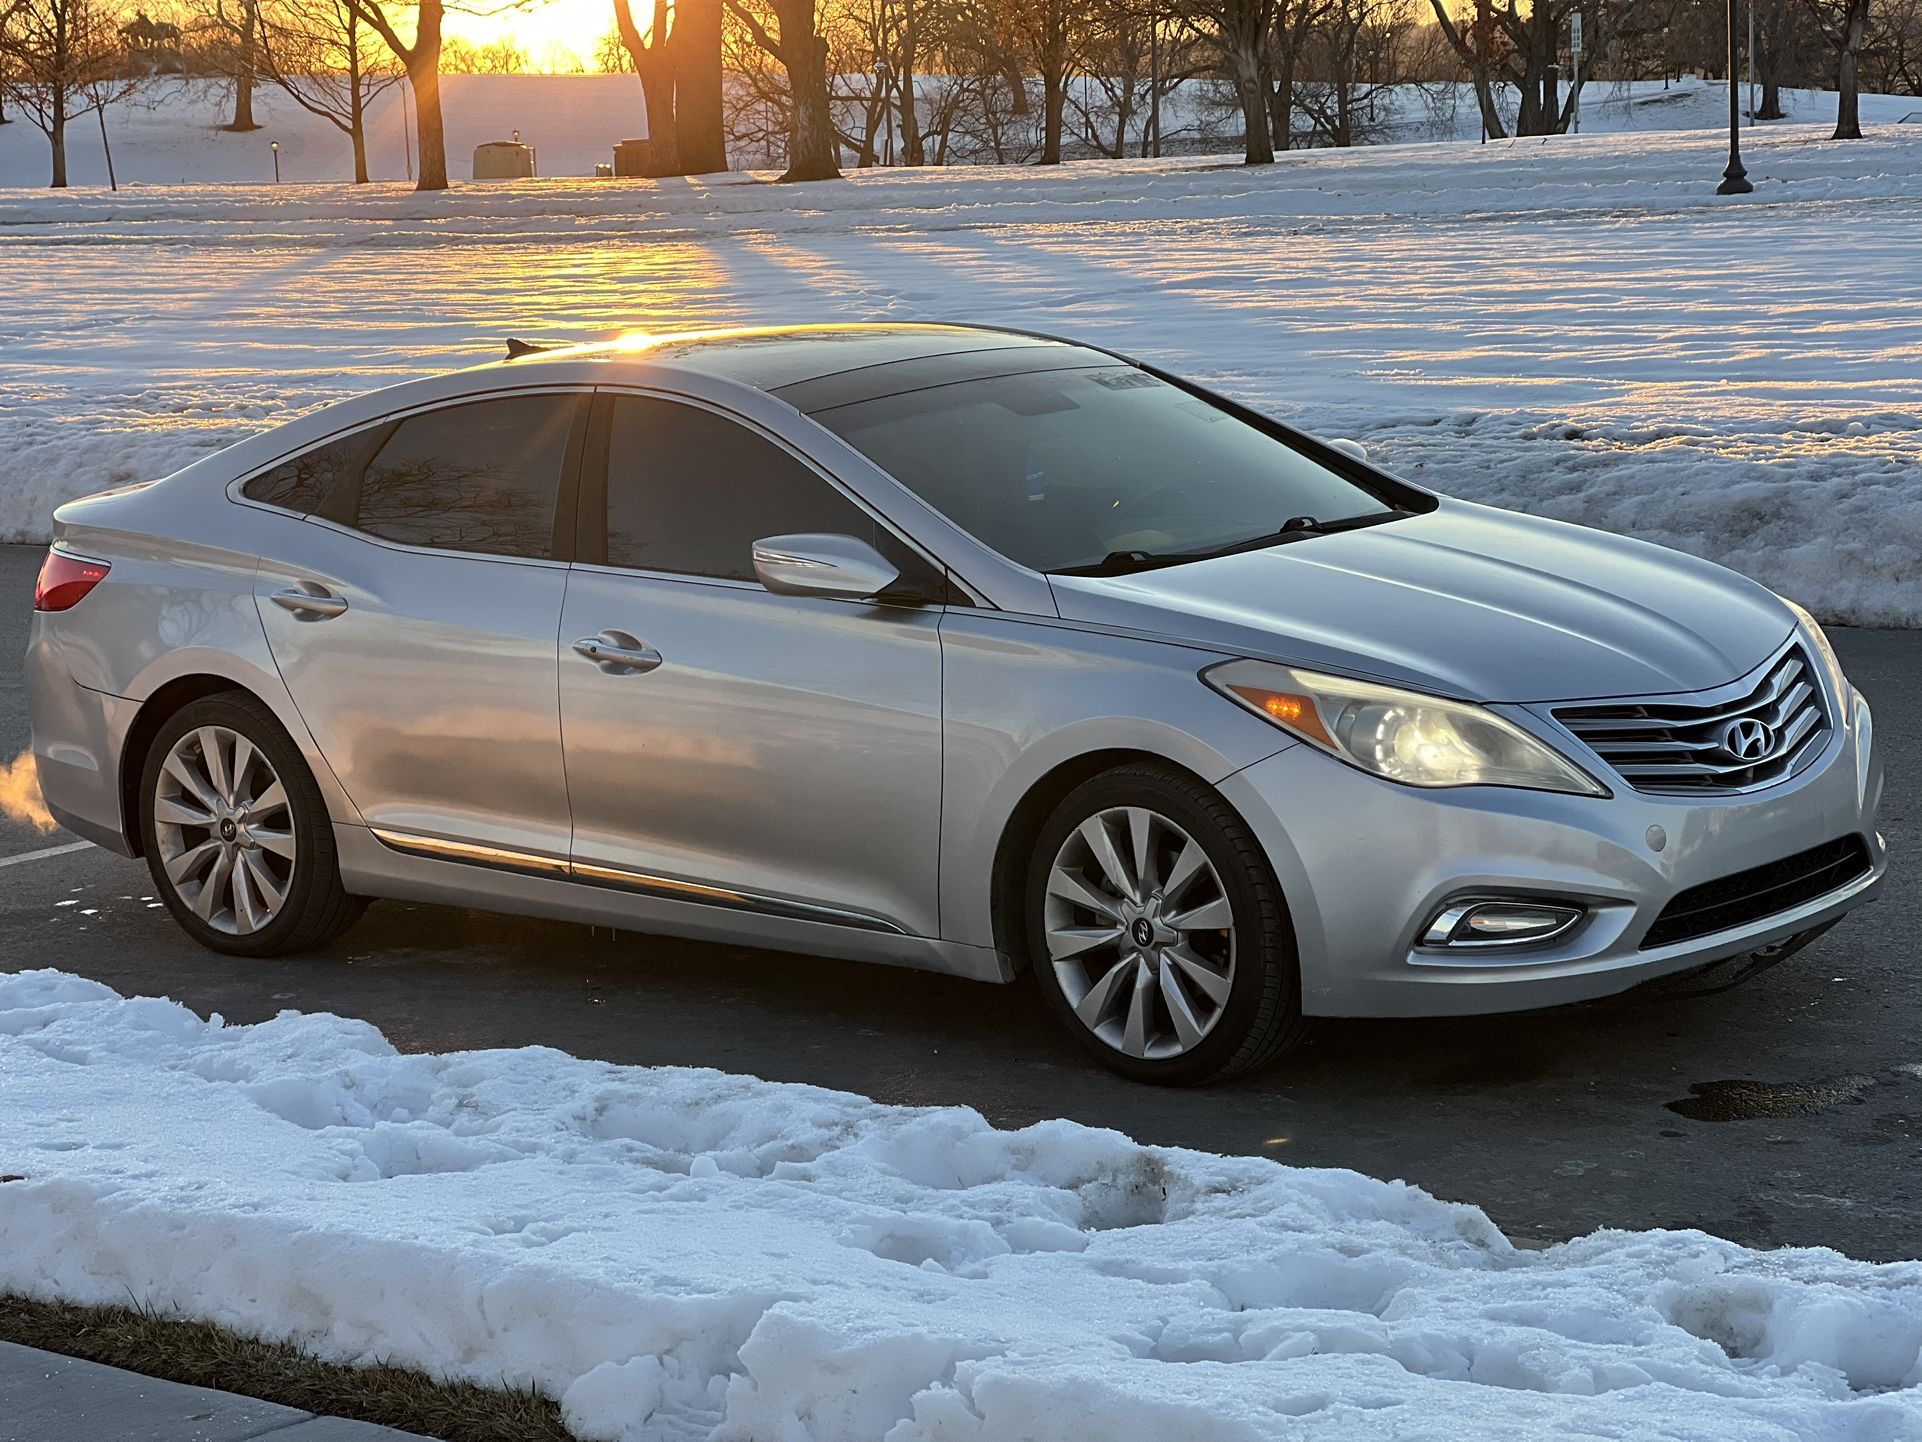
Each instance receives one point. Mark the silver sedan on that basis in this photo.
(951, 648)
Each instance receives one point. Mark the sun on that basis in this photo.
(558, 35)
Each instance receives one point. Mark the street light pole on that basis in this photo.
(1734, 178)
(1154, 80)
(276, 147)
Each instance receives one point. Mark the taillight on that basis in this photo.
(65, 580)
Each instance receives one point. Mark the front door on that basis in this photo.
(725, 745)
(416, 628)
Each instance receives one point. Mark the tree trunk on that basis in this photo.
(913, 152)
(1257, 146)
(357, 128)
(653, 58)
(423, 75)
(57, 133)
(1848, 110)
(655, 67)
(700, 136)
(1017, 87)
(106, 149)
(244, 68)
(812, 147)
(1281, 104)
(1054, 101)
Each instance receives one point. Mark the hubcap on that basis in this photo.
(1140, 932)
(224, 830)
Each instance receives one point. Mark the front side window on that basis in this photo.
(1103, 467)
(690, 492)
(305, 482)
(482, 477)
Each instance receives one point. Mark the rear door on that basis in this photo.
(414, 617)
(777, 754)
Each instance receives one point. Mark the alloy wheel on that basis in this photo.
(1140, 932)
(224, 830)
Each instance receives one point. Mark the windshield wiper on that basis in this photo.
(1123, 563)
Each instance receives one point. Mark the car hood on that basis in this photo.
(1480, 603)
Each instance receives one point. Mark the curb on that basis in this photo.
(45, 1397)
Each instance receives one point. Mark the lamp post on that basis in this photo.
(1735, 178)
(276, 149)
(1153, 146)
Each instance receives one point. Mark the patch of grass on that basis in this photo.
(178, 1350)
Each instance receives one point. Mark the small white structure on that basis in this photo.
(504, 160)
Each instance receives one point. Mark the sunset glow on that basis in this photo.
(560, 35)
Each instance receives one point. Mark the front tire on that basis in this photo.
(237, 835)
(1158, 932)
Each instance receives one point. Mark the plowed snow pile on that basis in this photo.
(688, 1254)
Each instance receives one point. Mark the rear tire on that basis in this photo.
(236, 833)
(1158, 933)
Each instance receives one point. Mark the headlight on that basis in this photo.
(1399, 735)
(1824, 652)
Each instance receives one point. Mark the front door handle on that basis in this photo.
(310, 601)
(618, 653)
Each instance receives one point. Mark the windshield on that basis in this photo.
(1081, 469)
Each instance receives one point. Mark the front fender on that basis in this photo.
(1023, 697)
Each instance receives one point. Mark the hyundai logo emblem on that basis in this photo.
(1144, 934)
(1747, 739)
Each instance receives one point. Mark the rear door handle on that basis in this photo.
(618, 653)
(310, 601)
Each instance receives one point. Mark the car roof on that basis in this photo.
(814, 367)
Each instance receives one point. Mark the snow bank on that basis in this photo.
(686, 1254)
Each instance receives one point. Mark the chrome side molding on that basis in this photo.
(468, 853)
(666, 888)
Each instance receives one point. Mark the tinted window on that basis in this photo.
(690, 491)
(1062, 469)
(304, 483)
(479, 477)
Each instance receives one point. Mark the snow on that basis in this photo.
(681, 1254)
(1576, 327)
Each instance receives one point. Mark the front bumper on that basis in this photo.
(1365, 863)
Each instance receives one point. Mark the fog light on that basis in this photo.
(1483, 922)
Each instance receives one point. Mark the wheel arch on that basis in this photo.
(1023, 828)
(187, 684)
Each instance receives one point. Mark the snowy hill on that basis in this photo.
(169, 134)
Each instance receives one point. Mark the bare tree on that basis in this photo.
(1241, 30)
(325, 56)
(497, 57)
(235, 30)
(797, 43)
(1845, 26)
(421, 60)
(651, 56)
(59, 61)
(1897, 53)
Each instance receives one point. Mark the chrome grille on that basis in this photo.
(1681, 748)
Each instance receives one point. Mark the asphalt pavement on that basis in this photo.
(1784, 1112)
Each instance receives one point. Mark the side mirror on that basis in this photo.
(1348, 448)
(823, 565)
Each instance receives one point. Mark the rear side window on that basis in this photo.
(304, 483)
(691, 492)
(479, 477)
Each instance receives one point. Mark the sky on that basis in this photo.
(540, 29)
